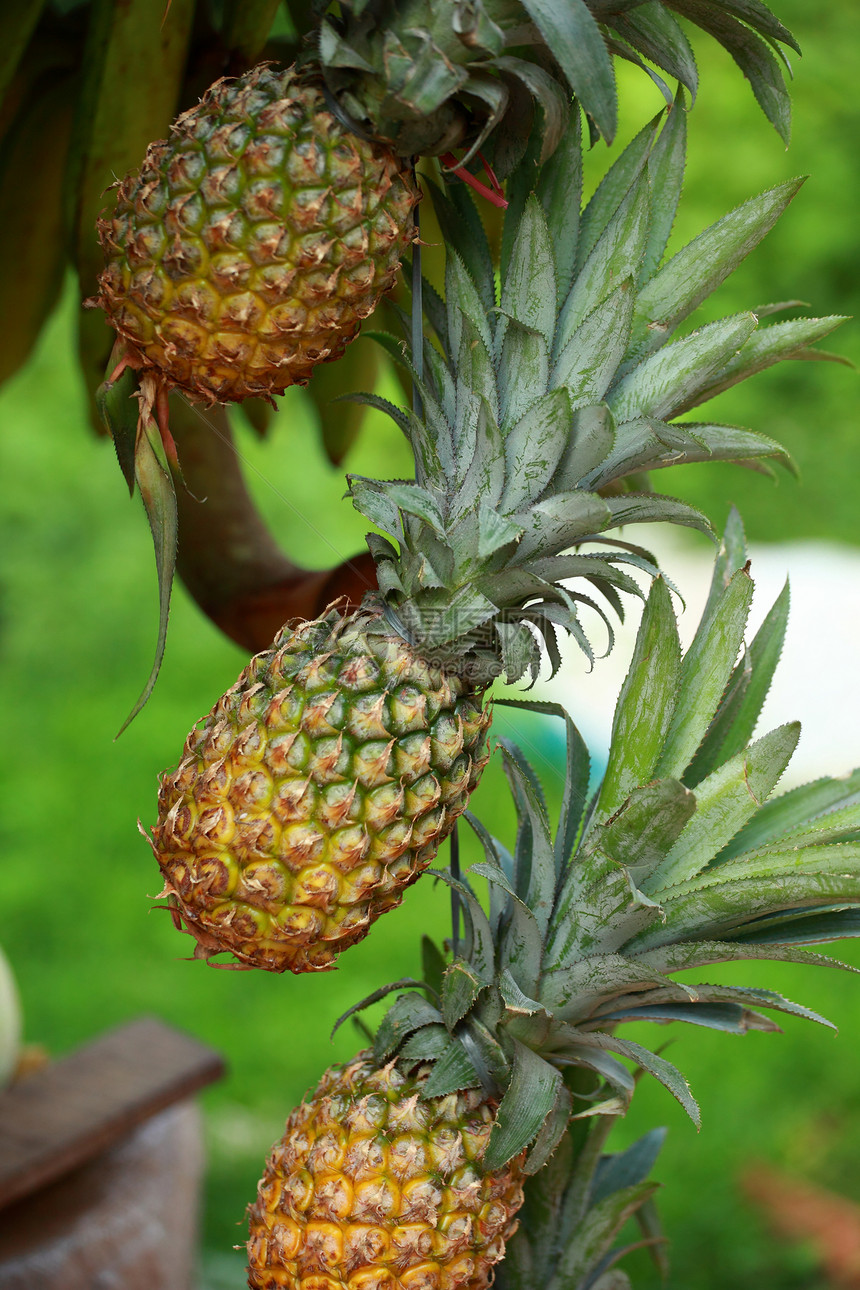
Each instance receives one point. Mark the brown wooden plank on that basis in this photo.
(74, 1108)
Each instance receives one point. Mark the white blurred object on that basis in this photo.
(818, 677)
(10, 1022)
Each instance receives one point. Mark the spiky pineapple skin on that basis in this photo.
(318, 788)
(373, 1188)
(253, 241)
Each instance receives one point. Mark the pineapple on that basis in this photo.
(322, 784)
(252, 243)
(316, 792)
(682, 859)
(375, 1183)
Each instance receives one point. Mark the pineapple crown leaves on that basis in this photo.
(548, 395)
(433, 76)
(678, 861)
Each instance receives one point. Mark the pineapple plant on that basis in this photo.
(323, 782)
(505, 1053)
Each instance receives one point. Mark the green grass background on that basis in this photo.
(77, 629)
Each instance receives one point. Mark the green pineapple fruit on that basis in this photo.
(537, 403)
(682, 858)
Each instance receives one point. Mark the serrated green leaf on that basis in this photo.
(751, 54)
(460, 988)
(647, 827)
(551, 1133)
(595, 1234)
(705, 671)
(452, 1072)
(697, 270)
(656, 34)
(615, 185)
(575, 39)
(799, 808)
(732, 1018)
(571, 992)
(724, 802)
(645, 704)
(409, 1012)
(781, 342)
(529, 287)
(655, 508)
(591, 357)
(119, 411)
(528, 1101)
(559, 189)
(533, 448)
(616, 256)
(664, 384)
(541, 874)
(591, 440)
(523, 372)
(742, 703)
(426, 1045)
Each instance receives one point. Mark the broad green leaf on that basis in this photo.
(684, 955)
(558, 522)
(795, 809)
(699, 268)
(572, 992)
(246, 26)
(408, 1012)
(775, 344)
(426, 1045)
(725, 908)
(533, 448)
(523, 372)
(591, 357)
(575, 39)
(462, 229)
(647, 827)
(645, 704)
(529, 288)
(615, 257)
(724, 802)
(496, 531)
(615, 185)
(647, 444)
(627, 1168)
(655, 508)
(665, 383)
(591, 439)
(595, 1235)
(453, 1071)
(559, 188)
(551, 1133)
(552, 100)
(733, 1018)
(747, 690)
(461, 293)
(666, 162)
(808, 927)
(705, 671)
(460, 989)
(597, 911)
(528, 1101)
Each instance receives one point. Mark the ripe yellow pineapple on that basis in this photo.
(316, 791)
(253, 241)
(373, 1185)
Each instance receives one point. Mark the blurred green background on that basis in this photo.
(77, 630)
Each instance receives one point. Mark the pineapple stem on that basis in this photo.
(455, 895)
